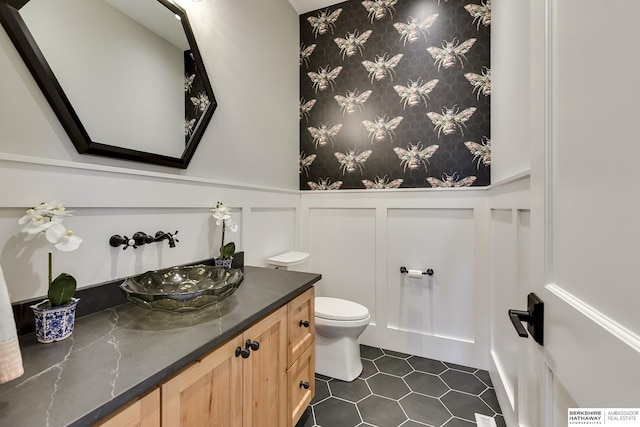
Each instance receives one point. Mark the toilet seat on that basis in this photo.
(339, 309)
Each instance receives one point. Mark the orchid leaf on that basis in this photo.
(62, 289)
(228, 250)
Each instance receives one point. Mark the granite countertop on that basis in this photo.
(118, 354)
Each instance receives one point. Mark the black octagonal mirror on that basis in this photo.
(124, 77)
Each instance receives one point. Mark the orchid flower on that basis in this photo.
(222, 214)
(46, 218)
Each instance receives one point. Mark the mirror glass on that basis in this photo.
(124, 76)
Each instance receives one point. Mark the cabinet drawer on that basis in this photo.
(302, 385)
(301, 325)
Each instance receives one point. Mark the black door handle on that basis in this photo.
(518, 316)
(304, 323)
(534, 317)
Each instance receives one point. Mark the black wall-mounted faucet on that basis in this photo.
(160, 236)
(140, 238)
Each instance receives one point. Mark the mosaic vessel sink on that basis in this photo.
(185, 288)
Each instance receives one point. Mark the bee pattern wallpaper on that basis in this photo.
(196, 99)
(395, 94)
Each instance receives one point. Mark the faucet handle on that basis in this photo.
(142, 238)
(117, 240)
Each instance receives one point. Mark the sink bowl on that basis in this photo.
(185, 288)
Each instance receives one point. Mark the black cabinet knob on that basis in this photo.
(242, 352)
(253, 345)
(304, 323)
(304, 385)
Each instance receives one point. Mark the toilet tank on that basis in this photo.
(295, 261)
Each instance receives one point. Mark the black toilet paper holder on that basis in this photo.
(429, 271)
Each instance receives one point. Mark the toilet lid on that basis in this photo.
(339, 309)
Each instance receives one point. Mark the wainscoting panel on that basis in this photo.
(358, 240)
(512, 358)
(269, 231)
(440, 239)
(342, 246)
(108, 201)
(505, 293)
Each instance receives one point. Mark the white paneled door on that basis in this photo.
(585, 231)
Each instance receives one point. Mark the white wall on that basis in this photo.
(247, 159)
(510, 114)
(250, 50)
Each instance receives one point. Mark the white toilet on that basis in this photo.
(339, 324)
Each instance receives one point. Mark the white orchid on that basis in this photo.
(63, 240)
(46, 218)
(222, 214)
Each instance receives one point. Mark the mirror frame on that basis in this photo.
(33, 57)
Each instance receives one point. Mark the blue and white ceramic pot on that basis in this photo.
(54, 323)
(223, 262)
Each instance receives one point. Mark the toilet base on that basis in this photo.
(338, 358)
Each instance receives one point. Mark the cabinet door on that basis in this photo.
(301, 324)
(144, 412)
(208, 393)
(265, 375)
(302, 385)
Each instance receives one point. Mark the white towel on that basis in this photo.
(10, 356)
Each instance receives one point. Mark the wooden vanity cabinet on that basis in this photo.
(264, 377)
(143, 412)
(207, 393)
(226, 389)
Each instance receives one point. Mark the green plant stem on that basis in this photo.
(224, 227)
(50, 270)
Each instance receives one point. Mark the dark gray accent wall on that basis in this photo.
(395, 93)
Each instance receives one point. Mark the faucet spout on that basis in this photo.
(161, 235)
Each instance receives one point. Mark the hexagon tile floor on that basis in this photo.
(397, 389)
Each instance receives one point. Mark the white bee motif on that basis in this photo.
(305, 53)
(188, 82)
(188, 126)
(450, 120)
(324, 77)
(381, 183)
(451, 53)
(481, 13)
(481, 82)
(382, 66)
(200, 102)
(449, 181)
(305, 107)
(324, 184)
(415, 91)
(351, 160)
(305, 162)
(410, 32)
(415, 155)
(352, 100)
(381, 128)
(352, 42)
(378, 9)
(324, 134)
(324, 22)
(481, 152)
